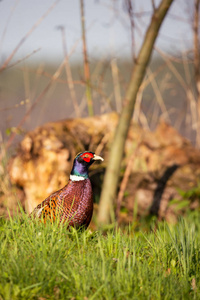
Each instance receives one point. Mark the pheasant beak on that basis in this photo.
(96, 157)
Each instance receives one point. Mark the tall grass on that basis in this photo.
(40, 261)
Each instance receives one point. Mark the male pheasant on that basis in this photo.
(74, 202)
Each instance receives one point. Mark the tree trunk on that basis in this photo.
(116, 153)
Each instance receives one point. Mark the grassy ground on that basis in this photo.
(40, 261)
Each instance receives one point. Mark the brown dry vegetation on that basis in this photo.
(171, 107)
(29, 81)
(161, 162)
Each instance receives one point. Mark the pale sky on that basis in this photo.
(107, 23)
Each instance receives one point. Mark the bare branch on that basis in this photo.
(129, 8)
(23, 58)
(197, 45)
(7, 23)
(69, 75)
(197, 64)
(38, 99)
(27, 35)
(116, 84)
(153, 5)
(86, 63)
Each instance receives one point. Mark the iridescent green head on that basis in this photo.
(82, 162)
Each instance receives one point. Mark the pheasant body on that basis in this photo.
(74, 202)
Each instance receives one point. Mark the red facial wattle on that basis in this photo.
(87, 157)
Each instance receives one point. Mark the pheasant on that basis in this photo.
(74, 202)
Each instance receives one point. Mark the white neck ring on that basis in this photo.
(76, 178)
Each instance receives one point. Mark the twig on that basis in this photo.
(54, 77)
(6, 62)
(86, 63)
(116, 84)
(197, 64)
(168, 60)
(158, 94)
(103, 142)
(69, 75)
(186, 87)
(21, 103)
(138, 114)
(183, 112)
(124, 182)
(196, 45)
(23, 59)
(153, 5)
(129, 8)
(7, 22)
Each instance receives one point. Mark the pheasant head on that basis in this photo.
(81, 164)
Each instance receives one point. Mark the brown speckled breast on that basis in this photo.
(72, 204)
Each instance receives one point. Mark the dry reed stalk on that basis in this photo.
(69, 76)
(117, 92)
(100, 85)
(138, 114)
(42, 94)
(137, 110)
(158, 95)
(185, 86)
(196, 45)
(27, 89)
(197, 64)
(40, 70)
(168, 60)
(124, 181)
(86, 63)
(155, 114)
(144, 121)
(106, 100)
(103, 142)
(188, 116)
(95, 74)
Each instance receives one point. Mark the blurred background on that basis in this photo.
(72, 60)
(36, 37)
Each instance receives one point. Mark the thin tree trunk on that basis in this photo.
(116, 153)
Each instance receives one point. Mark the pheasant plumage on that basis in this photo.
(74, 202)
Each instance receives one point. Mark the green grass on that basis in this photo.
(40, 261)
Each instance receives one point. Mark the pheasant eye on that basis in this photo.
(87, 157)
